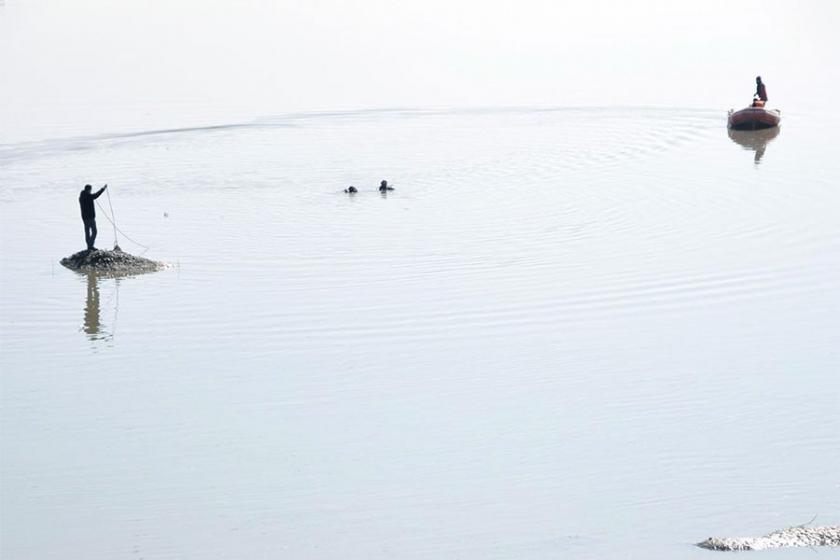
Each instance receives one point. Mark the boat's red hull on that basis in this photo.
(754, 118)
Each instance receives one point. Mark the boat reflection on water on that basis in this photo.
(754, 140)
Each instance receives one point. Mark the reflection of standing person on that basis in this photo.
(86, 198)
(760, 90)
(92, 305)
(759, 153)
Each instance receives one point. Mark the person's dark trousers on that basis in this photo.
(90, 232)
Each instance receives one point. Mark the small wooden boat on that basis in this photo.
(755, 117)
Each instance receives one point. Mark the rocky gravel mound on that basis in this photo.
(114, 262)
(790, 537)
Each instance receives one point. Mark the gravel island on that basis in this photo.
(790, 537)
(116, 262)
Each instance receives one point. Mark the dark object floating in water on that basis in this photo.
(754, 118)
(114, 262)
(791, 537)
(351, 189)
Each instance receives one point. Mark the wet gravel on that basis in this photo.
(116, 262)
(791, 537)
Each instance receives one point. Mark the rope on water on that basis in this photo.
(146, 247)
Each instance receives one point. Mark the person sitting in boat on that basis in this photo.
(384, 186)
(760, 96)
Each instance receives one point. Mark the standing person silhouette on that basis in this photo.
(760, 90)
(86, 198)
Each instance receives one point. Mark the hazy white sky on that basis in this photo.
(63, 61)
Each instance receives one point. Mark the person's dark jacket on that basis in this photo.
(86, 203)
(761, 91)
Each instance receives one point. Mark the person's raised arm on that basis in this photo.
(100, 191)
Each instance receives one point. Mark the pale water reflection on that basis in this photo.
(102, 313)
(754, 140)
(92, 321)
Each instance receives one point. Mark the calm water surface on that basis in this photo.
(576, 333)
